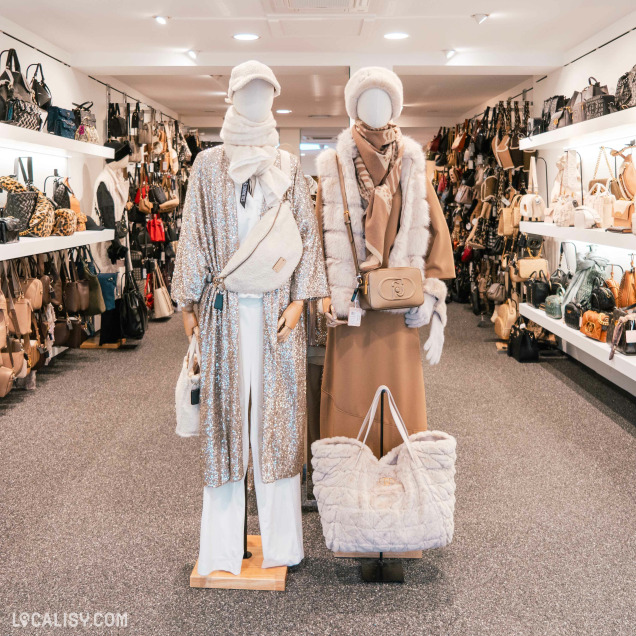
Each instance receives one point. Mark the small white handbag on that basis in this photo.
(163, 307)
(187, 392)
(404, 501)
(532, 206)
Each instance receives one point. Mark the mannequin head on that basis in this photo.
(374, 94)
(375, 108)
(254, 100)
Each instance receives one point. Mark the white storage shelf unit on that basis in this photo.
(28, 246)
(35, 141)
(595, 237)
(621, 370)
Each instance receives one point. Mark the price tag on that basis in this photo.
(630, 336)
(143, 273)
(355, 317)
(179, 223)
(151, 168)
(163, 257)
(164, 166)
(505, 201)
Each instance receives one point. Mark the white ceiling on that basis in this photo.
(312, 50)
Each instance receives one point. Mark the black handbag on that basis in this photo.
(12, 84)
(625, 93)
(539, 288)
(21, 206)
(9, 230)
(572, 314)
(39, 88)
(598, 106)
(522, 344)
(156, 194)
(602, 299)
(61, 196)
(83, 114)
(61, 122)
(133, 312)
(23, 114)
(116, 123)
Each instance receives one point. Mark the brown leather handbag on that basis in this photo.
(61, 332)
(6, 381)
(19, 308)
(627, 289)
(386, 287)
(31, 286)
(595, 325)
(76, 292)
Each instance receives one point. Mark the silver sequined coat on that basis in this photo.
(209, 237)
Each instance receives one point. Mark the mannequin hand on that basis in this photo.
(435, 342)
(332, 318)
(289, 319)
(420, 316)
(190, 322)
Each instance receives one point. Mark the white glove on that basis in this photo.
(435, 342)
(420, 316)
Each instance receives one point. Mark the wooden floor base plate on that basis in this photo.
(93, 343)
(252, 576)
(413, 554)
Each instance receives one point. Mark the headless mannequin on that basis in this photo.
(375, 109)
(254, 101)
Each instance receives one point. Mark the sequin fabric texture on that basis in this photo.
(209, 237)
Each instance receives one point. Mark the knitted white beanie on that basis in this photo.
(244, 73)
(373, 77)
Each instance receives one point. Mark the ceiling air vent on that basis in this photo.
(316, 6)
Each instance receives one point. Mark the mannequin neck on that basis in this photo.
(375, 108)
(120, 167)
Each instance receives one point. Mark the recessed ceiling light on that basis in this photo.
(396, 36)
(161, 19)
(246, 37)
(192, 54)
(480, 17)
(302, 154)
(283, 111)
(449, 53)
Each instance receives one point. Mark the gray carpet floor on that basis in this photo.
(100, 506)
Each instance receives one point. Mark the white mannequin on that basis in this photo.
(375, 109)
(254, 101)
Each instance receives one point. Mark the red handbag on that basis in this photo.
(155, 229)
(148, 293)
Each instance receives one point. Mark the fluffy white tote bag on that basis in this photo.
(404, 501)
(188, 385)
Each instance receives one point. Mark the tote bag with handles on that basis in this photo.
(186, 395)
(404, 501)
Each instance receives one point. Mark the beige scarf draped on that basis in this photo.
(378, 170)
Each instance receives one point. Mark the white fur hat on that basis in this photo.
(373, 77)
(244, 73)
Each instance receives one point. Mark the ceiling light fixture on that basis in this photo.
(283, 111)
(396, 36)
(246, 37)
(480, 18)
(449, 53)
(161, 19)
(192, 54)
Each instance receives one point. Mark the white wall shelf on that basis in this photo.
(621, 370)
(28, 246)
(18, 138)
(596, 237)
(602, 130)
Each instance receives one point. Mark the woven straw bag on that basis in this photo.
(404, 501)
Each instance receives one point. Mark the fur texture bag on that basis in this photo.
(186, 395)
(404, 501)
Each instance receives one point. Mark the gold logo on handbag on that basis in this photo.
(386, 481)
(386, 287)
(589, 327)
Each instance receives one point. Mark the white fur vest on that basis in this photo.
(411, 244)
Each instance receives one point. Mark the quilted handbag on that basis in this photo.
(404, 501)
(186, 395)
(554, 305)
(21, 206)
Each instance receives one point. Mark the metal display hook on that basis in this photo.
(547, 187)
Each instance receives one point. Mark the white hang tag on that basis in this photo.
(505, 201)
(179, 223)
(163, 257)
(151, 168)
(143, 273)
(522, 325)
(630, 336)
(471, 164)
(355, 316)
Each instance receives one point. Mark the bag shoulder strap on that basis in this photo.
(347, 220)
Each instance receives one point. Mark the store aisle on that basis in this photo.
(101, 504)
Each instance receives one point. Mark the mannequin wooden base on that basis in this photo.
(252, 576)
(93, 343)
(413, 554)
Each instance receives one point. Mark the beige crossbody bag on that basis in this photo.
(387, 287)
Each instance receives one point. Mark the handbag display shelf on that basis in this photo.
(621, 370)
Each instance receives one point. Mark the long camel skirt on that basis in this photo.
(383, 350)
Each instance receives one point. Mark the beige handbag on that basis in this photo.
(386, 287)
(18, 309)
(521, 269)
(32, 288)
(507, 314)
(162, 303)
(6, 381)
(623, 213)
(532, 206)
(602, 200)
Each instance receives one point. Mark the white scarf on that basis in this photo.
(250, 147)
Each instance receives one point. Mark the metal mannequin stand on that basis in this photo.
(246, 553)
(379, 570)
